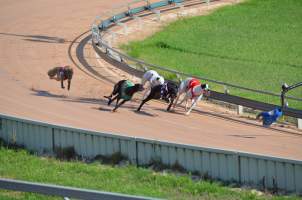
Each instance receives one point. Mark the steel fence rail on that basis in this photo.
(214, 95)
(70, 192)
(124, 56)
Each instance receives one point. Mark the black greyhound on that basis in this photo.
(61, 74)
(167, 91)
(124, 89)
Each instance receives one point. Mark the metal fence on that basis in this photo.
(117, 16)
(249, 169)
(67, 192)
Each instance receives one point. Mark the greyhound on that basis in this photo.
(166, 91)
(61, 74)
(124, 89)
(193, 90)
(153, 78)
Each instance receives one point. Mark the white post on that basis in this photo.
(226, 90)
(95, 33)
(239, 110)
(299, 123)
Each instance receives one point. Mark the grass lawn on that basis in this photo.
(255, 44)
(128, 179)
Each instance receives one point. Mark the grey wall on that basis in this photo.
(245, 168)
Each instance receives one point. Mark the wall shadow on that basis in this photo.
(101, 101)
(37, 38)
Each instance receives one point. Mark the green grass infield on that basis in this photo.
(256, 44)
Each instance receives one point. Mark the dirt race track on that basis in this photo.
(37, 35)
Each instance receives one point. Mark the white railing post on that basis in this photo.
(226, 90)
(239, 110)
(299, 125)
(95, 33)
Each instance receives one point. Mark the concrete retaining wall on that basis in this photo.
(249, 169)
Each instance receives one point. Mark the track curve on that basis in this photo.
(37, 35)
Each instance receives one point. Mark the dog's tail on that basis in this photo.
(108, 97)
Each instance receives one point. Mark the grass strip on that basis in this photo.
(19, 164)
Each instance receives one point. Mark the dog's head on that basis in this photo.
(160, 80)
(206, 89)
(52, 72)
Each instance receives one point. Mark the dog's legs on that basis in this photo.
(179, 93)
(149, 97)
(111, 100)
(175, 103)
(143, 81)
(186, 106)
(170, 105)
(194, 103)
(143, 102)
(184, 99)
(147, 92)
(62, 84)
(117, 100)
(181, 89)
(118, 105)
(69, 83)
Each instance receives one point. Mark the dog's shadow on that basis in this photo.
(44, 93)
(103, 109)
(170, 111)
(145, 113)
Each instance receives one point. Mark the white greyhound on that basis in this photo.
(193, 90)
(153, 78)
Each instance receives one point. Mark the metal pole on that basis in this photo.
(69, 192)
(285, 88)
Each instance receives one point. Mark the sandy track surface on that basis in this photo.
(38, 35)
